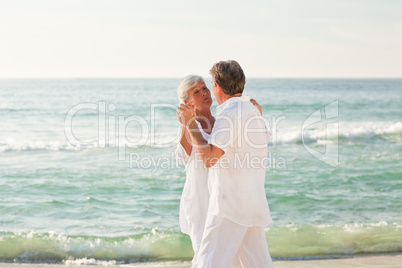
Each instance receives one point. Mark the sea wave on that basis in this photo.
(165, 140)
(56, 248)
(25, 146)
(289, 242)
(347, 131)
(334, 241)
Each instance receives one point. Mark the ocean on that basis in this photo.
(88, 175)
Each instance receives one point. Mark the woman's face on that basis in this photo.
(200, 96)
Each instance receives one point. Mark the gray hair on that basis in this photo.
(185, 84)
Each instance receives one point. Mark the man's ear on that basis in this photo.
(219, 88)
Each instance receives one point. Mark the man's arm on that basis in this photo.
(208, 153)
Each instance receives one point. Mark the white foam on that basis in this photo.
(347, 130)
(354, 129)
(157, 264)
(91, 261)
(26, 145)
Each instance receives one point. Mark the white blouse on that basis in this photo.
(195, 197)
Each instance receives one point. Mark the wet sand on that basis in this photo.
(374, 262)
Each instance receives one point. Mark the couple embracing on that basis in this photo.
(223, 206)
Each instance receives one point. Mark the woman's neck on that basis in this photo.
(206, 120)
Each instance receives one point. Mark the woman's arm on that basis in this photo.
(253, 101)
(185, 140)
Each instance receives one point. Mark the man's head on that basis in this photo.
(229, 76)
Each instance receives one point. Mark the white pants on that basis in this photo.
(196, 239)
(227, 244)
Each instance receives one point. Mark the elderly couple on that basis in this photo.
(223, 207)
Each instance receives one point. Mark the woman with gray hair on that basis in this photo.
(195, 197)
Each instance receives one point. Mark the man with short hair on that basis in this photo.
(237, 157)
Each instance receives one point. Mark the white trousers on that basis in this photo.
(196, 239)
(227, 244)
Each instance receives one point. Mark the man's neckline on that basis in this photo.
(232, 100)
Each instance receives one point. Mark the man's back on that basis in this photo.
(237, 180)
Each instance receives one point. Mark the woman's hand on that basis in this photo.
(185, 114)
(253, 101)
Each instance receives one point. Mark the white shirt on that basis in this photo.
(236, 181)
(195, 196)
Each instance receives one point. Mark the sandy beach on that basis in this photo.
(375, 262)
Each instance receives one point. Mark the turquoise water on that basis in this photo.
(89, 197)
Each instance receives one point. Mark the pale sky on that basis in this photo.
(269, 38)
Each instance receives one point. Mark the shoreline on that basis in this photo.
(376, 261)
(360, 261)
